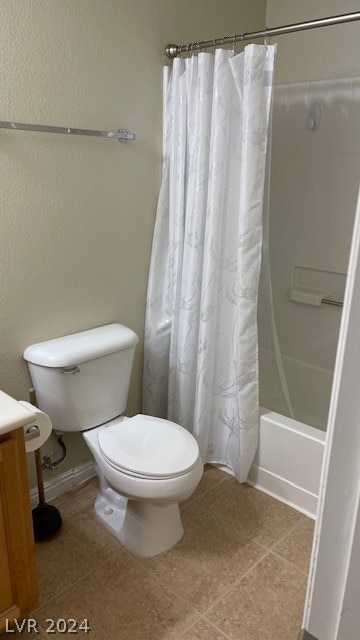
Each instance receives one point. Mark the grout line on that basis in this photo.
(193, 498)
(295, 526)
(260, 544)
(234, 584)
(167, 586)
(211, 624)
(231, 526)
(235, 530)
(73, 584)
(291, 564)
(268, 552)
(183, 633)
(217, 628)
(169, 590)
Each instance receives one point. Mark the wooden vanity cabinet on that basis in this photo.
(19, 594)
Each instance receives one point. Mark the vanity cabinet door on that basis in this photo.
(18, 580)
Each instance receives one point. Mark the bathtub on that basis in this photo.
(289, 458)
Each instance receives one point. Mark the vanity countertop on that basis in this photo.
(12, 414)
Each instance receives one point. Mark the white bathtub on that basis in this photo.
(309, 387)
(289, 458)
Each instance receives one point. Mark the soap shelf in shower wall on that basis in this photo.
(316, 287)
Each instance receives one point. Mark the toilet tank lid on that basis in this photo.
(73, 349)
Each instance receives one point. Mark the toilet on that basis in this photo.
(146, 465)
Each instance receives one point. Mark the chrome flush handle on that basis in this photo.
(70, 370)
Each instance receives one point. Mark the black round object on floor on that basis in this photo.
(46, 521)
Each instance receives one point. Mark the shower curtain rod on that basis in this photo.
(173, 50)
(122, 135)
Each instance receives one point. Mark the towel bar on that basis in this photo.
(333, 303)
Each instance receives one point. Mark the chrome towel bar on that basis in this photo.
(122, 135)
(333, 303)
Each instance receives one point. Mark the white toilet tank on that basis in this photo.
(82, 380)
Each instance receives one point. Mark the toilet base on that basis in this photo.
(144, 528)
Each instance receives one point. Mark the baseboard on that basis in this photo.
(283, 490)
(274, 485)
(64, 482)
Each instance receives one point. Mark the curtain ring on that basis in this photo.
(249, 40)
(197, 44)
(267, 38)
(222, 40)
(233, 44)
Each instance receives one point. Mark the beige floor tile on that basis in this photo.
(250, 511)
(127, 601)
(212, 476)
(80, 499)
(202, 630)
(208, 560)
(81, 545)
(122, 601)
(266, 605)
(296, 546)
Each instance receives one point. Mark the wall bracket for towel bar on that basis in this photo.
(122, 135)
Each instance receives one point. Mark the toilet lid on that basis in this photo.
(149, 446)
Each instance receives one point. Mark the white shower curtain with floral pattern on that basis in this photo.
(201, 347)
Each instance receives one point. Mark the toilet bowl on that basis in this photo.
(146, 465)
(139, 502)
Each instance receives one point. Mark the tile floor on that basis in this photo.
(240, 571)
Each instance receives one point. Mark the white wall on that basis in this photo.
(319, 54)
(77, 213)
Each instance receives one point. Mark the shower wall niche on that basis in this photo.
(314, 189)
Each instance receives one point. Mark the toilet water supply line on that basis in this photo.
(46, 461)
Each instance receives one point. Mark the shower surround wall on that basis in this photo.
(314, 189)
(313, 172)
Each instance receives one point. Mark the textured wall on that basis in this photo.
(326, 53)
(76, 214)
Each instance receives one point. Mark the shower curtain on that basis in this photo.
(201, 349)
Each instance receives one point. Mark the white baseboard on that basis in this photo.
(64, 482)
(283, 490)
(274, 485)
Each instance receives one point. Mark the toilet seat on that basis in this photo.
(148, 447)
